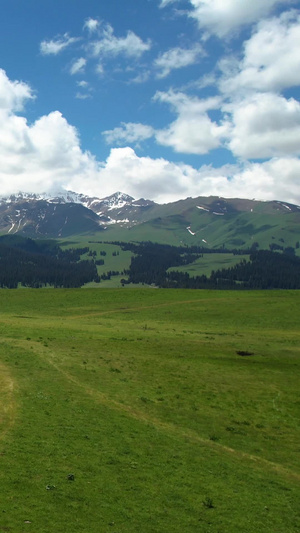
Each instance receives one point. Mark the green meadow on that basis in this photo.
(115, 259)
(149, 411)
(207, 263)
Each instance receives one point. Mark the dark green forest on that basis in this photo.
(37, 264)
(40, 263)
(265, 269)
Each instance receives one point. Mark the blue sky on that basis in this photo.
(161, 99)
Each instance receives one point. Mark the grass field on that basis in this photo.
(115, 259)
(131, 410)
(204, 265)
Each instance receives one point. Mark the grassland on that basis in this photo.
(130, 411)
(204, 265)
(115, 259)
(235, 230)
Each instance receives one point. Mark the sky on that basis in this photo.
(160, 99)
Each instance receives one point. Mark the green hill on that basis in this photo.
(215, 222)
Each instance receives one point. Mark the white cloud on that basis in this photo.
(85, 90)
(55, 140)
(78, 66)
(181, 102)
(54, 47)
(164, 3)
(83, 96)
(142, 77)
(221, 17)
(163, 181)
(13, 94)
(271, 58)
(193, 131)
(265, 125)
(176, 58)
(128, 133)
(15, 141)
(38, 156)
(191, 135)
(91, 25)
(99, 69)
(276, 179)
(207, 80)
(83, 84)
(109, 44)
(47, 154)
(143, 176)
(42, 155)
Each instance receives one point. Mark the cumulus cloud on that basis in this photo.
(55, 46)
(176, 58)
(271, 60)
(194, 135)
(221, 17)
(265, 125)
(47, 154)
(276, 179)
(193, 131)
(164, 181)
(39, 155)
(108, 44)
(13, 94)
(147, 177)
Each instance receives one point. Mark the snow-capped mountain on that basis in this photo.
(62, 213)
(61, 196)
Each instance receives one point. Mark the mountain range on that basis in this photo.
(210, 221)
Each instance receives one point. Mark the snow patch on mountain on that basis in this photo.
(203, 208)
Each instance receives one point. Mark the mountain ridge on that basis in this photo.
(212, 220)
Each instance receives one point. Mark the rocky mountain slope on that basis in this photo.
(66, 213)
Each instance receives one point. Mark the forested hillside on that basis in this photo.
(39, 263)
(30, 263)
(265, 269)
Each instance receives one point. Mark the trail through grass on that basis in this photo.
(141, 396)
(7, 401)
